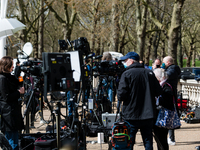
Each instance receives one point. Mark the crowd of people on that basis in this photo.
(141, 89)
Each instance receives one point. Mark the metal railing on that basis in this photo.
(190, 89)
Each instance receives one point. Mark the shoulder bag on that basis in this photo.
(168, 119)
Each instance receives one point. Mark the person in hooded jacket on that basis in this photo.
(11, 117)
(173, 72)
(137, 89)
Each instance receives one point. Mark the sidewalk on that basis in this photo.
(187, 137)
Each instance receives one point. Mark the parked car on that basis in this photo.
(190, 73)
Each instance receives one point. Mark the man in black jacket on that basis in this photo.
(173, 72)
(137, 89)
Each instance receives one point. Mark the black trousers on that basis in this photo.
(161, 134)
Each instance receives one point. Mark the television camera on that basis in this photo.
(110, 68)
(81, 44)
(32, 67)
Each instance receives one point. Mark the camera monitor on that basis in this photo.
(57, 71)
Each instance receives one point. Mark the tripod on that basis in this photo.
(102, 94)
(31, 103)
(57, 114)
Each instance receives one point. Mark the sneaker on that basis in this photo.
(171, 142)
(197, 147)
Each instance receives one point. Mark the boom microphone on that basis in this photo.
(98, 57)
(90, 56)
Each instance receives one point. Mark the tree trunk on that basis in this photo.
(94, 35)
(155, 38)
(115, 26)
(69, 17)
(163, 54)
(41, 31)
(95, 20)
(174, 29)
(102, 48)
(67, 32)
(98, 46)
(22, 19)
(122, 43)
(180, 54)
(190, 54)
(193, 58)
(35, 45)
(141, 26)
(147, 55)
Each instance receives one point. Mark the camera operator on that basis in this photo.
(11, 118)
(70, 106)
(87, 69)
(108, 57)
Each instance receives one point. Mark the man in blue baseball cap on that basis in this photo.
(132, 55)
(130, 58)
(137, 89)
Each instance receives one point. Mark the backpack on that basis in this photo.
(121, 139)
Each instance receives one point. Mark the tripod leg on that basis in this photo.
(27, 123)
(41, 106)
(33, 110)
(26, 112)
(58, 124)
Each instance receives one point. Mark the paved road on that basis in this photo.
(187, 137)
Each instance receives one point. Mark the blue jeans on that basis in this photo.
(110, 94)
(145, 127)
(70, 104)
(109, 89)
(12, 137)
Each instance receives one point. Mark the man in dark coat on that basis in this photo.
(137, 89)
(173, 72)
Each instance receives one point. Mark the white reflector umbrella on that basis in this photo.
(9, 27)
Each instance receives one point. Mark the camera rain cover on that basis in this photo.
(57, 71)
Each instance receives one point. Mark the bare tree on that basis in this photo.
(141, 24)
(125, 17)
(191, 35)
(115, 26)
(159, 15)
(174, 29)
(67, 21)
(41, 31)
(172, 33)
(29, 14)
